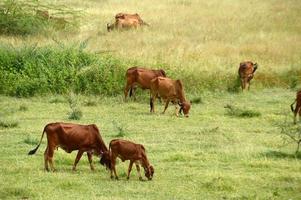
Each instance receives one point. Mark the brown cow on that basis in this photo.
(138, 76)
(169, 90)
(298, 106)
(246, 73)
(126, 21)
(127, 150)
(71, 137)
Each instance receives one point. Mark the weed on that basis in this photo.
(73, 101)
(23, 108)
(31, 141)
(238, 112)
(8, 123)
(119, 128)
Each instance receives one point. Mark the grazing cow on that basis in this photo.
(169, 90)
(126, 21)
(246, 73)
(138, 76)
(71, 137)
(127, 150)
(298, 106)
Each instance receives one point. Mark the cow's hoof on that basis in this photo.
(140, 179)
(127, 178)
(116, 178)
(112, 177)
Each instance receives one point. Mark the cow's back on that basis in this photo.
(165, 87)
(143, 76)
(245, 69)
(73, 136)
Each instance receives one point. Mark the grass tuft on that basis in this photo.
(238, 112)
(23, 108)
(31, 141)
(119, 128)
(8, 123)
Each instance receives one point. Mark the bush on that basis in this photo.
(24, 17)
(29, 70)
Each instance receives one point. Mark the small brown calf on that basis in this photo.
(127, 150)
(246, 73)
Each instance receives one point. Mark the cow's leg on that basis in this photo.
(126, 90)
(152, 101)
(50, 156)
(166, 106)
(130, 169)
(46, 159)
(89, 154)
(113, 166)
(242, 84)
(177, 110)
(138, 170)
(78, 156)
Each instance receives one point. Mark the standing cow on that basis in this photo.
(297, 109)
(71, 137)
(138, 76)
(169, 90)
(246, 73)
(127, 150)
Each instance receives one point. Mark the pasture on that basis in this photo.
(210, 155)
(214, 154)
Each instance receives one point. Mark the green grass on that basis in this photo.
(209, 155)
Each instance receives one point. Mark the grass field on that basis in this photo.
(210, 155)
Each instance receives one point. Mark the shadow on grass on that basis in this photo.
(280, 155)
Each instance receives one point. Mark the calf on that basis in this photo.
(169, 90)
(246, 73)
(127, 150)
(138, 76)
(71, 137)
(298, 106)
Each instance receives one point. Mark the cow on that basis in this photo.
(138, 76)
(126, 21)
(297, 109)
(71, 137)
(246, 73)
(169, 90)
(127, 150)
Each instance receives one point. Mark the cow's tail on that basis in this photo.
(292, 105)
(35, 149)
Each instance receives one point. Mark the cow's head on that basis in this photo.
(149, 172)
(105, 159)
(185, 107)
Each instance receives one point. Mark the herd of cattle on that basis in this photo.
(86, 138)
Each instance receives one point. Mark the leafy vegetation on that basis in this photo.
(32, 17)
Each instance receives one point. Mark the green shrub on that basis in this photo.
(73, 101)
(23, 18)
(29, 70)
(119, 128)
